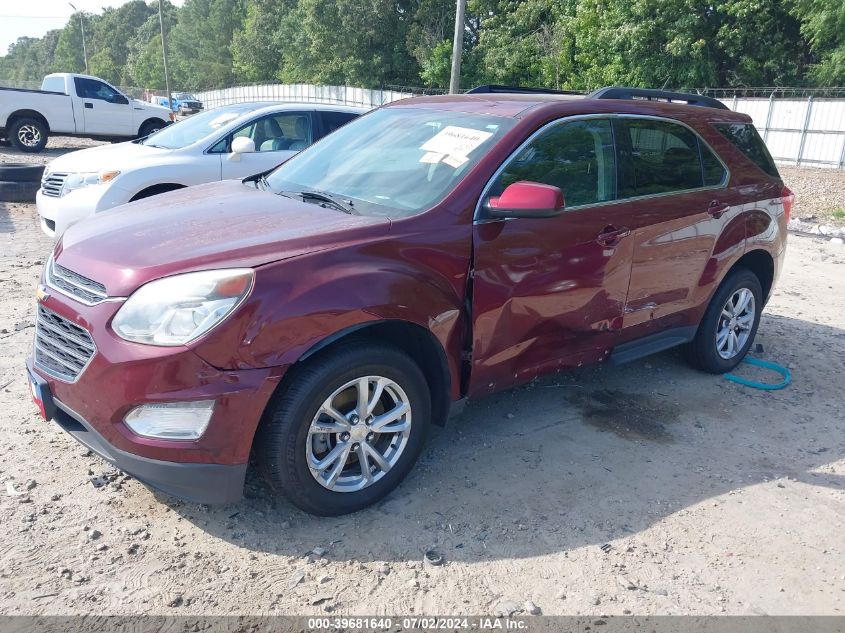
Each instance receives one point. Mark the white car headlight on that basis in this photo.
(85, 178)
(176, 310)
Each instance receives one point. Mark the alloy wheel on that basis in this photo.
(29, 135)
(735, 323)
(358, 434)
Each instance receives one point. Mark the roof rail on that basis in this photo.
(616, 92)
(494, 88)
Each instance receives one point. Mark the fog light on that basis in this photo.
(171, 420)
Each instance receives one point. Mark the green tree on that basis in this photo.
(257, 48)
(201, 43)
(823, 24)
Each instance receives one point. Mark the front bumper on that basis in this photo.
(122, 375)
(199, 483)
(59, 214)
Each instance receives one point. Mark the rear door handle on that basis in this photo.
(610, 235)
(717, 208)
(89, 105)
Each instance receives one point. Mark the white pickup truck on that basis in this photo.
(75, 105)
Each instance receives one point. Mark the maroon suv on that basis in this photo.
(322, 316)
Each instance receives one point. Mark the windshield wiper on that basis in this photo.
(339, 203)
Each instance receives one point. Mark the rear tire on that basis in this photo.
(28, 135)
(729, 325)
(293, 457)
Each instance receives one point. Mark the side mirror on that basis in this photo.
(241, 145)
(120, 100)
(526, 199)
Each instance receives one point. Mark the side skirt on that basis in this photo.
(651, 344)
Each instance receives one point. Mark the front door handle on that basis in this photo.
(610, 235)
(717, 209)
(90, 106)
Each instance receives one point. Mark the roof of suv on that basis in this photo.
(518, 105)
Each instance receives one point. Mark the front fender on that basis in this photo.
(298, 303)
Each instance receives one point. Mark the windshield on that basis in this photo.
(395, 162)
(184, 96)
(196, 128)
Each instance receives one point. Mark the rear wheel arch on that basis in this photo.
(412, 339)
(156, 189)
(761, 263)
(27, 114)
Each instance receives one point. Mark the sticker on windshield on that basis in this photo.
(455, 141)
(432, 157)
(455, 161)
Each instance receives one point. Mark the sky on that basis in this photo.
(35, 17)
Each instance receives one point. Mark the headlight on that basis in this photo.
(84, 178)
(176, 310)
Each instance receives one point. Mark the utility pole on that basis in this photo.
(82, 26)
(457, 47)
(164, 57)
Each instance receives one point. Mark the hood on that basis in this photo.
(164, 111)
(112, 156)
(218, 225)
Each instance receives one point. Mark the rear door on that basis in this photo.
(680, 205)
(549, 293)
(277, 137)
(105, 111)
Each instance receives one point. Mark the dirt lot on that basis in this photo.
(647, 489)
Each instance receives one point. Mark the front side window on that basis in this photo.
(394, 162)
(289, 131)
(657, 157)
(93, 89)
(576, 156)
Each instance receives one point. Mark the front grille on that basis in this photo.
(62, 348)
(52, 183)
(75, 285)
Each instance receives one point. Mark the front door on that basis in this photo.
(105, 111)
(549, 293)
(277, 137)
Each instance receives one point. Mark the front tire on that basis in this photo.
(729, 325)
(150, 127)
(28, 135)
(346, 430)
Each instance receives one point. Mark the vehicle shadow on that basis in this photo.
(579, 459)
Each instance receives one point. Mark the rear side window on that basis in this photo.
(657, 157)
(334, 120)
(712, 168)
(53, 84)
(746, 139)
(577, 157)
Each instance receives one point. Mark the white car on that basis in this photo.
(233, 141)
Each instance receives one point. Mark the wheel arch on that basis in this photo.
(413, 339)
(27, 114)
(154, 190)
(152, 119)
(762, 264)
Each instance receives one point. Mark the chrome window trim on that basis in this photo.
(478, 219)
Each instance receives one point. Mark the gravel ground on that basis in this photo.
(819, 194)
(646, 489)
